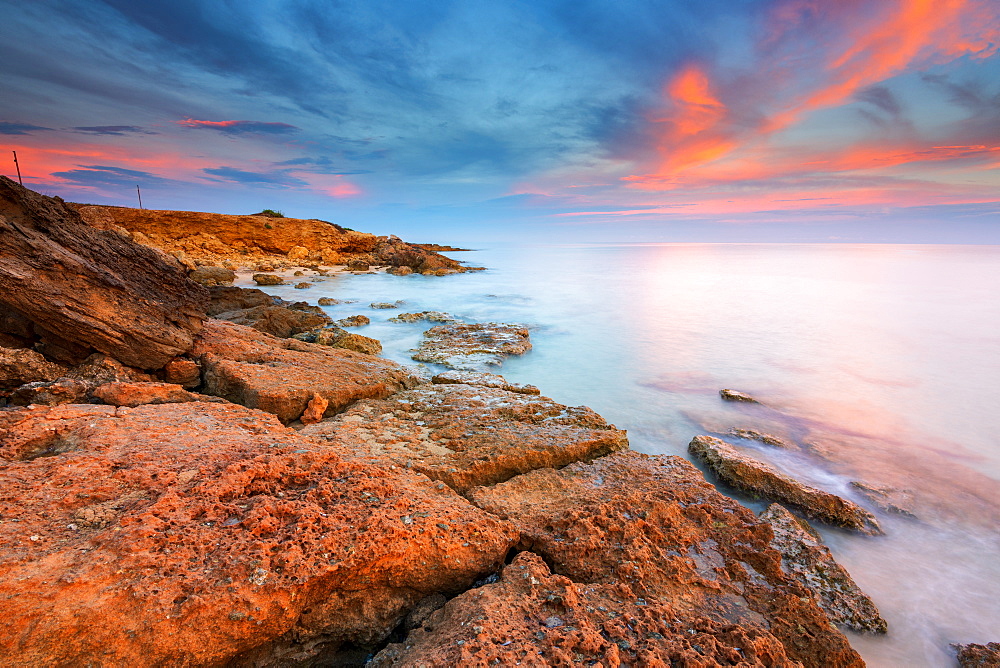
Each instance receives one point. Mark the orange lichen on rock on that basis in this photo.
(198, 533)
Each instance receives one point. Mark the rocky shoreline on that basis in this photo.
(196, 474)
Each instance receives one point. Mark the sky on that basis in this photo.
(544, 120)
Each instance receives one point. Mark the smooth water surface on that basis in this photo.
(880, 361)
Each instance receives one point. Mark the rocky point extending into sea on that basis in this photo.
(194, 474)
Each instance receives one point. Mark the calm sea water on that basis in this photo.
(881, 361)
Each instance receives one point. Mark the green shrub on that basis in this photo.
(271, 213)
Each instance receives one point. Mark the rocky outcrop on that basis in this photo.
(268, 279)
(975, 655)
(20, 366)
(806, 558)
(353, 321)
(472, 347)
(265, 313)
(209, 276)
(471, 435)
(753, 476)
(84, 289)
(653, 567)
(226, 299)
(208, 534)
(280, 376)
(482, 380)
(338, 338)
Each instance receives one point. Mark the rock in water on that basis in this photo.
(85, 289)
(750, 475)
(733, 395)
(975, 655)
(467, 436)
(472, 347)
(632, 561)
(805, 557)
(200, 534)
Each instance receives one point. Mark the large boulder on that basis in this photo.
(19, 366)
(652, 567)
(280, 376)
(468, 435)
(85, 289)
(208, 534)
(751, 475)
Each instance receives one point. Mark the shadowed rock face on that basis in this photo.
(748, 474)
(206, 534)
(805, 557)
(653, 565)
(84, 289)
(467, 436)
(280, 376)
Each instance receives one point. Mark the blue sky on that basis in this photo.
(793, 120)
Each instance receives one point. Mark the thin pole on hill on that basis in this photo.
(139, 194)
(18, 169)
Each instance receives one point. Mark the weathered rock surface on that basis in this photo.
(182, 371)
(472, 347)
(208, 534)
(805, 557)
(975, 655)
(733, 395)
(304, 285)
(268, 279)
(482, 380)
(430, 316)
(52, 393)
(338, 338)
(751, 475)
(85, 289)
(209, 276)
(21, 365)
(467, 436)
(280, 375)
(225, 299)
(281, 321)
(387, 305)
(138, 394)
(353, 321)
(654, 567)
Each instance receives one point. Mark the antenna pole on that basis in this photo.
(18, 169)
(139, 194)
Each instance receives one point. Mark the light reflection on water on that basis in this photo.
(880, 360)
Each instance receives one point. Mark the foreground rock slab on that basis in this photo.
(208, 534)
(475, 347)
(804, 556)
(281, 376)
(468, 435)
(751, 475)
(654, 567)
(84, 289)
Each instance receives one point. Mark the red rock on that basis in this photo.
(138, 394)
(467, 436)
(203, 534)
(652, 565)
(746, 473)
(182, 371)
(280, 376)
(805, 557)
(279, 321)
(85, 289)
(975, 655)
(19, 366)
(209, 276)
(314, 410)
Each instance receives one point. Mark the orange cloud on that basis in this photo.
(699, 136)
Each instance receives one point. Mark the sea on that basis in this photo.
(880, 363)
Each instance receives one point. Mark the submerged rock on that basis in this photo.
(431, 316)
(83, 289)
(208, 534)
(467, 436)
(805, 557)
(756, 477)
(889, 499)
(767, 439)
(472, 347)
(733, 395)
(653, 567)
(387, 305)
(280, 375)
(483, 380)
